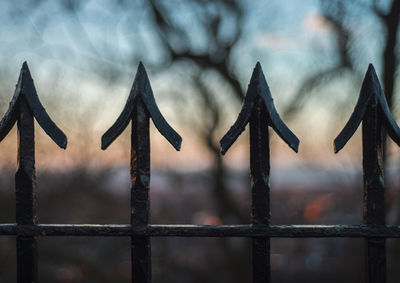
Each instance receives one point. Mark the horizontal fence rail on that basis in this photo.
(273, 231)
(259, 112)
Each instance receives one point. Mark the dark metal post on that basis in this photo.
(25, 194)
(259, 168)
(259, 110)
(139, 108)
(374, 202)
(373, 111)
(140, 203)
(24, 106)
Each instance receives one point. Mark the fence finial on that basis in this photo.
(26, 88)
(370, 90)
(373, 111)
(141, 88)
(258, 87)
(25, 106)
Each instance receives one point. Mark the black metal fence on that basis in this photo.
(259, 111)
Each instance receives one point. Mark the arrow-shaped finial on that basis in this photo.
(371, 91)
(139, 108)
(258, 87)
(373, 111)
(26, 89)
(24, 107)
(259, 112)
(141, 88)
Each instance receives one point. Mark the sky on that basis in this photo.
(84, 62)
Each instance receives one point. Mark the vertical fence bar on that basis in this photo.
(374, 201)
(24, 106)
(373, 111)
(259, 111)
(260, 168)
(139, 108)
(25, 194)
(140, 203)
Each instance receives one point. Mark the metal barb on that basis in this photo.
(26, 88)
(141, 87)
(371, 89)
(258, 87)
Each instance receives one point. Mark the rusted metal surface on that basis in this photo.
(141, 87)
(26, 202)
(259, 111)
(370, 89)
(140, 202)
(26, 88)
(24, 106)
(139, 108)
(259, 168)
(248, 231)
(258, 88)
(373, 111)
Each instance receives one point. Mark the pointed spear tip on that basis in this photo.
(141, 74)
(25, 69)
(371, 67)
(258, 75)
(141, 68)
(257, 69)
(371, 73)
(371, 80)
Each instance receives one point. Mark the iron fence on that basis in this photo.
(259, 111)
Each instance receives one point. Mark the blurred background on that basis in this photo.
(199, 55)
